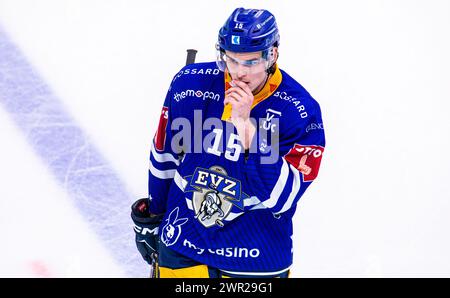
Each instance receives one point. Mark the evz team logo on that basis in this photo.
(214, 195)
(235, 39)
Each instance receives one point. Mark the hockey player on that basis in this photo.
(238, 143)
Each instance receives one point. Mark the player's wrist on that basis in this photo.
(140, 212)
(146, 228)
(246, 131)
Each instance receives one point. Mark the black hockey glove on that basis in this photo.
(146, 227)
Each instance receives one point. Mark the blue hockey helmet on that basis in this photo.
(249, 30)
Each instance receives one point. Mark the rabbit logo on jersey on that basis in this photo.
(172, 229)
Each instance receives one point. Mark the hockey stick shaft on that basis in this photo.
(154, 267)
(190, 56)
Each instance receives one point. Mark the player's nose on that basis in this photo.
(242, 72)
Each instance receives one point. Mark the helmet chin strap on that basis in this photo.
(269, 71)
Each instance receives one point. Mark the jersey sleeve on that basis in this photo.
(164, 159)
(279, 185)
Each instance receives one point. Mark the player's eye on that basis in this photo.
(231, 60)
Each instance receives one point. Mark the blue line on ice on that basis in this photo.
(74, 161)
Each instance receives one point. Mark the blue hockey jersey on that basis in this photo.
(226, 207)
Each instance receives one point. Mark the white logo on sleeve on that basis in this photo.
(172, 229)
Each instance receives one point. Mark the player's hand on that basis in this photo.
(240, 97)
(146, 228)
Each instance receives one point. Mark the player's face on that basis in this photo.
(249, 68)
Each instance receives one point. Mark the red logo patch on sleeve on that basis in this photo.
(160, 136)
(306, 159)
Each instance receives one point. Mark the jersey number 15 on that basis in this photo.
(234, 146)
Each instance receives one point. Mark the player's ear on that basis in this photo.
(275, 54)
